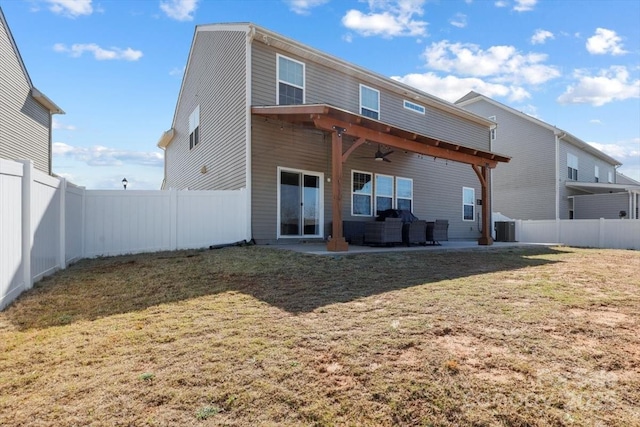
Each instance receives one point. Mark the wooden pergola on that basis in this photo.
(339, 123)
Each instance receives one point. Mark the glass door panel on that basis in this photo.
(311, 205)
(300, 204)
(290, 203)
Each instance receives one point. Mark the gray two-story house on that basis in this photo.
(553, 174)
(317, 141)
(25, 112)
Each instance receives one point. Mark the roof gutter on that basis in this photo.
(43, 100)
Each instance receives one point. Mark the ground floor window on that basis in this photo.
(468, 203)
(361, 193)
(384, 192)
(404, 194)
(300, 203)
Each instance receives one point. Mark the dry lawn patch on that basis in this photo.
(261, 336)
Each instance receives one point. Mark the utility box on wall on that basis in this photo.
(505, 231)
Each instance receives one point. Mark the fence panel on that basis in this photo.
(45, 224)
(206, 218)
(121, 222)
(621, 234)
(74, 218)
(594, 233)
(12, 281)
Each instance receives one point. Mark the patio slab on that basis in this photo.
(319, 248)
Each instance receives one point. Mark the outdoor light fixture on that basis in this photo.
(124, 183)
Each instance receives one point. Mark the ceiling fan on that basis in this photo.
(379, 156)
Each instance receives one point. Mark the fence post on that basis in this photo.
(173, 218)
(62, 231)
(558, 233)
(27, 236)
(601, 233)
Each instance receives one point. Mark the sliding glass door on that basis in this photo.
(300, 204)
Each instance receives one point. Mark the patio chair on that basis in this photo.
(438, 231)
(414, 232)
(385, 232)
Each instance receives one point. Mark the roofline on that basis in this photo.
(560, 133)
(15, 48)
(45, 101)
(40, 97)
(601, 185)
(381, 80)
(287, 44)
(166, 138)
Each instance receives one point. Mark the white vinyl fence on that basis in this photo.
(592, 233)
(46, 223)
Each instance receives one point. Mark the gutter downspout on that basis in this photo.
(558, 136)
(248, 173)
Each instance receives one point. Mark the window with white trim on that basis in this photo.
(290, 81)
(404, 193)
(361, 193)
(610, 177)
(369, 102)
(596, 173)
(194, 128)
(416, 108)
(468, 203)
(572, 167)
(384, 193)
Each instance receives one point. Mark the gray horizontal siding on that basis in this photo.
(437, 184)
(525, 187)
(215, 81)
(327, 86)
(24, 123)
(595, 206)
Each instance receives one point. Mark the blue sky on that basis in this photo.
(115, 67)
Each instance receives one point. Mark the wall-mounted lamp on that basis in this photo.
(203, 169)
(124, 183)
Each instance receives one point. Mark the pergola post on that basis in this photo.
(337, 242)
(483, 175)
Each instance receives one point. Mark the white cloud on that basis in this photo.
(101, 54)
(104, 156)
(303, 7)
(71, 8)
(541, 36)
(524, 5)
(180, 10)
(177, 71)
(504, 64)
(501, 3)
(609, 85)
(452, 88)
(605, 41)
(387, 19)
(595, 121)
(459, 20)
(55, 124)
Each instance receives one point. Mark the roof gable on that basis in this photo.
(473, 97)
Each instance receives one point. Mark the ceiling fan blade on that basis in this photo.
(387, 153)
(386, 160)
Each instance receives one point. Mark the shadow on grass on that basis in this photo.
(294, 282)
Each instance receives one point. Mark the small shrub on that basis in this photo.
(147, 376)
(206, 412)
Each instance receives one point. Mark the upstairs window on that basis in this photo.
(610, 177)
(572, 167)
(414, 107)
(369, 102)
(290, 81)
(468, 203)
(494, 128)
(404, 193)
(596, 172)
(194, 128)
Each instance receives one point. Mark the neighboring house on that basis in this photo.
(309, 135)
(553, 174)
(25, 112)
